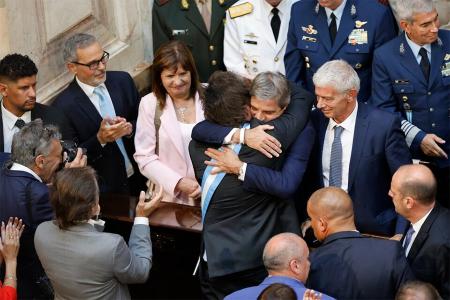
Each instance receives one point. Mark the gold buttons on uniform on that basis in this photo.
(358, 66)
(308, 66)
(405, 98)
(306, 59)
(213, 62)
(211, 48)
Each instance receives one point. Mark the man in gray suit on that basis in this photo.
(81, 262)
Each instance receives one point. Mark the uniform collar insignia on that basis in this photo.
(447, 56)
(309, 30)
(221, 2)
(317, 8)
(439, 41)
(402, 48)
(184, 4)
(353, 10)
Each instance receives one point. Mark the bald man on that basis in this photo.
(348, 265)
(427, 240)
(285, 257)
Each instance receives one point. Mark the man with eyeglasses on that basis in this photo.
(102, 108)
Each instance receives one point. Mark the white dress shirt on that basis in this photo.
(347, 145)
(337, 13)
(416, 226)
(9, 120)
(95, 99)
(19, 167)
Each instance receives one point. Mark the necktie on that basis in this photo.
(332, 28)
(408, 237)
(424, 63)
(206, 14)
(275, 23)
(107, 110)
(336, 158)
(19, 123)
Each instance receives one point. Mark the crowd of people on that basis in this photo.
(281, 119)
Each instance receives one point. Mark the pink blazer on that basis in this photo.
(170, 165)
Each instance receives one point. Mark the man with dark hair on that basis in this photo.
(36, 156)
(348, 265)
(18, 106)
(238, 222)
(102, 108)
(417, 290)
(427, 240)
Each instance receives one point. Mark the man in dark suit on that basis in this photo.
(36, 156)
(102, 109)
(199, 23)
(427, 240)
(324, 30)
(411, 77)
(348, 265)
(357, 148)
(18, 106)
(237, 223)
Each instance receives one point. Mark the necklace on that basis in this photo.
(181, 113)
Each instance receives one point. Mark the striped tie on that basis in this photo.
(336, 158)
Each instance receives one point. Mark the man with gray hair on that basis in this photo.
(411, 77)
(286, 260)
(357, 148)
(102, 109)
(36, 155)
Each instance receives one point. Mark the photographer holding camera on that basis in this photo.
(36, 155)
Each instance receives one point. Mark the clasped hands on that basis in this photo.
(112, 129)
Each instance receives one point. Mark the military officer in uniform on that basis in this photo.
(323, 30)
(255, 36)
(411, 76)
(198, 23)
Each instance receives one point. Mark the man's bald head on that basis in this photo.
(417, 182)
(287, 254)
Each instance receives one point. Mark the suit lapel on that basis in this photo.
(321, 25)
(284, 27)
(409, 62)
(437, 57)
(261, 13)
(423, 234)
(169, 123)
(346, 25)
(85, 104)
(115, 95)
(217, 17)
(323, 123)
(359, 136)
(194, 16)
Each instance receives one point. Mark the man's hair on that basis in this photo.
(75, 192)
(406, 9)
(287, 249)
(423, 191)
(271, 86)
(32, 140)
(278, 291)
(78, 41)
(226, 99)
(411, 288)
(337, 74)
(16, 66)
(169, 56)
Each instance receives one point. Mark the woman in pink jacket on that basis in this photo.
(162, 154)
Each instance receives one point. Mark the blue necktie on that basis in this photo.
(336, 158)
(107, 110)
(408, 237)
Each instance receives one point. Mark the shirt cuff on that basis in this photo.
(229, 136)
(242, 171)
(141, 221)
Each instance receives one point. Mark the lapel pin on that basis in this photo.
(447, 56)
(221, 2)
(360, 24)
(185, 4)
(402, 48)
(353, 10)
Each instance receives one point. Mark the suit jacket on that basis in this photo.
(252, 293)
(309, 44)
(49, 115)
(83, 263)
(379, 149)
(27, 198)
(170, 164)
(238, 222)
(350, 266)
(400, 86)
(84, 121)
(429, 256)
(249, 45)
(181, 20)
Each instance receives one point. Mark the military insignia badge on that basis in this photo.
(317, 8)
(445, 71)
(358, 36)
(185, 4)
(439, 41)
(402, 48)
(240, 10)
(353, 10)
(309, 39)
(360, 24)
(447, 56)
(309, 30)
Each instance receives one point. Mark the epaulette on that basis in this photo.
(161, 2)
(240, 10)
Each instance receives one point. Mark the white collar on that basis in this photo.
(337, 12)
(19, 167)
(416, 226)
(416, 48)
(9, 119)
(349, 123)
(88, 89)
(282, 8)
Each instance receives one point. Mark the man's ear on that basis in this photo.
(39, 161)
(352, 94)
(404, 25)
(3, 89)
(323, 225)
(72, 68)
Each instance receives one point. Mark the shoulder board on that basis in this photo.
(240, 10)
(162, 2)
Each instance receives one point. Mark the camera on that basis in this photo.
(71, 148)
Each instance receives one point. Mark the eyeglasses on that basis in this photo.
(94, 65)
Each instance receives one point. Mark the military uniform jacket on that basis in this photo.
(400, 86)
(249, 45)
(181, 20)
(365, 25)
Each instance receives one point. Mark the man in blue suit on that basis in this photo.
(285, 258)
(320, 31)
(357, 148)
(348, 265)
(102, 110)
(411, 76)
